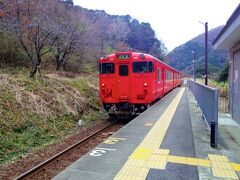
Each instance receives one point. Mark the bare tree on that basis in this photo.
(69, 38)
(29, 21)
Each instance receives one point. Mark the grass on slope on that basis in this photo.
(34, 113)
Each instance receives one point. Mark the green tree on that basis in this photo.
(142, 38)
(223, 76)
(68, 2)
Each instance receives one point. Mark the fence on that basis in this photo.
(207, 99)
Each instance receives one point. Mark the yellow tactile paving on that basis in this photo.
(135, 162)
(125, 177)
(192, 161)
(156, 157)
(219, 158)
(141, 153)
(133, 170)
(204, 163)
(221, 165)
(160, 151)
(156, 164)
(236, 166)
(218, 172)
(177, 159)
(182, 160)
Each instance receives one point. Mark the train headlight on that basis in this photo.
(105, 58)
(142, 56)
(145, 84)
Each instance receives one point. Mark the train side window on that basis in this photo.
(123, 70)
(169, 76)
(150, 66)
(107, 68)
(142, 67)
(159, 75)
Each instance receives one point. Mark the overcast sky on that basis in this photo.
(174, 21)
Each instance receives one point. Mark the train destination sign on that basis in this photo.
(123, 56)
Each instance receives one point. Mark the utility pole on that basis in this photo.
(206, 53)
(194, 68)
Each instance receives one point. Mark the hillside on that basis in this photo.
(181, 57)
(34, 113)
(54, 39)
(70, 37)
(120, 33)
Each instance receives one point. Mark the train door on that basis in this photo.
(123, 81)
(174, 79)
(160, 81)
(164, 80)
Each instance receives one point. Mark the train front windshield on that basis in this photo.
(143, 67)
(106, 68)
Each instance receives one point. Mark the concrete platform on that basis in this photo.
(158, 144)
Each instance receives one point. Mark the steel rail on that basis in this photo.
(48, 161)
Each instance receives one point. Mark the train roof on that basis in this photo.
(137, 54)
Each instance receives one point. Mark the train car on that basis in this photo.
(130, 82)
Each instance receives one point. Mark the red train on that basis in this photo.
(130, 82)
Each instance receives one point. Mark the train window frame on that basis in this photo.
(121, 72)
(169, 76)
(159, 75)
(105, 71)
(148, 68)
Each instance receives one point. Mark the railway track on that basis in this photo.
(52, 166)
